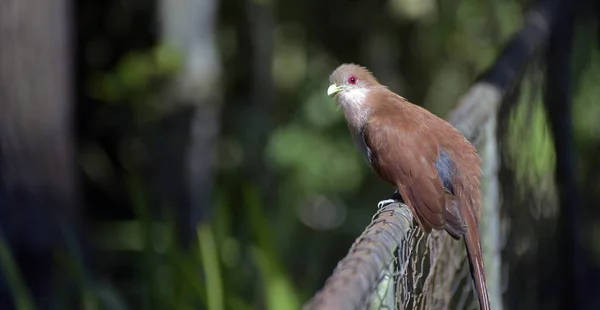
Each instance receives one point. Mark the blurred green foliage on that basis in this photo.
(21, 295)
(529, 143)
(137, 79)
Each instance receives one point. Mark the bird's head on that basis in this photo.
(350, 85)
(349, 79)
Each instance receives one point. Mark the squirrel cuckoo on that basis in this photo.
(434, 168)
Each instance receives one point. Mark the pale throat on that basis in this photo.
(353, 102)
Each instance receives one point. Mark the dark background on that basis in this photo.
(240, 180)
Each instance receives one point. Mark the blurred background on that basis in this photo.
(179, 154)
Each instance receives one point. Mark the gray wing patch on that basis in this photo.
(360, 142)
(446, 170)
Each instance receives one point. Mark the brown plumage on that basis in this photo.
(435, 169)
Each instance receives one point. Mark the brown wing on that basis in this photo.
(405, 158)
(404, 152)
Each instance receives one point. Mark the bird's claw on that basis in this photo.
(384, 203)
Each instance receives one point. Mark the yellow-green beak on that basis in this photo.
(333, 89)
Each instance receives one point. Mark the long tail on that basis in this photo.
(475, 256)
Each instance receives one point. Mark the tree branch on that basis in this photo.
(558, 108)
(481, 101)
(357, 275)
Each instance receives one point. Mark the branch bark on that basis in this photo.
(357, 275)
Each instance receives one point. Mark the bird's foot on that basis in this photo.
(396, 196)
(384, 203)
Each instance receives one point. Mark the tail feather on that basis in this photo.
(475, 256)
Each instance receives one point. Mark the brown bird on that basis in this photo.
(434, 168)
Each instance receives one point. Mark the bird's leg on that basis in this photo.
(396, 197)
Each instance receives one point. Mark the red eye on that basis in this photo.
(352, 79)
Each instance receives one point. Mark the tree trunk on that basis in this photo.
(185, 147)
(37, 187)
